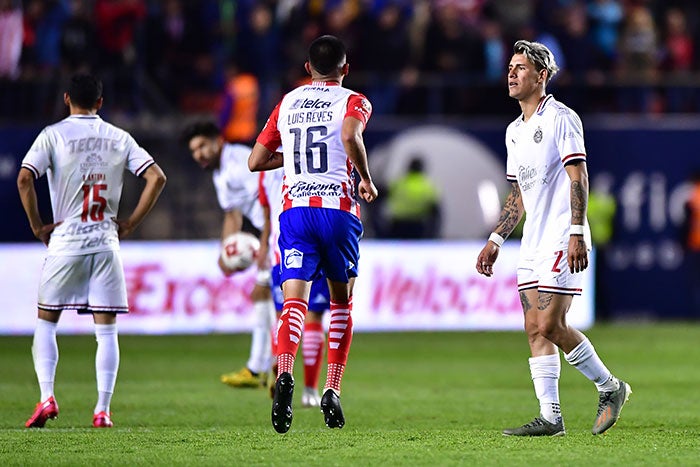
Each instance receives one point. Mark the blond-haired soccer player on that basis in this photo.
(319, 127)
(84, 159)
(546, 166)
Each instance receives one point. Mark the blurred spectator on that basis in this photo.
(238, 114)
(43, 23)
(259, 53)
(78, 43)
(638, 62)
(387, 50)
(117, 23)
(677, 60)
(605, 16)
(413, 204)
(10, 38)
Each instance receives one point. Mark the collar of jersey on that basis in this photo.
(324, 83)
(83, 116)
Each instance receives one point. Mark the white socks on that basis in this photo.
(545, 371)
(260, 359)
(45, 356)
(585, 359)
(106, 364)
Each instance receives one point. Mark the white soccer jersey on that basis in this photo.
(537, 152)
(84, 158)
(236, 186)
(271, 183)
(307, 124)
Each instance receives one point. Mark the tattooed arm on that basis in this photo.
(578, 252)
(511, 214)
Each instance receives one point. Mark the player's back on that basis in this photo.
(317, 170)
(84, 158)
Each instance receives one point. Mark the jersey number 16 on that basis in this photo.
(314, 165)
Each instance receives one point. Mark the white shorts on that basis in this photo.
(92, 283)
(549, 274)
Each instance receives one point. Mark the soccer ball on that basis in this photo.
(239, 250)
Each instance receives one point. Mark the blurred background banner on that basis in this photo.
(173, 288)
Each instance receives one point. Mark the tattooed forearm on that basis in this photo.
(511, 213)
(543, 300)
(525, 302)
(578, 202)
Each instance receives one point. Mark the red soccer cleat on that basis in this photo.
(42, 412)
(102, 420)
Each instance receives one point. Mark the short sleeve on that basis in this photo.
(270, 135)
(360, 108)
(38, 158)
(568, 133)
(138, 159)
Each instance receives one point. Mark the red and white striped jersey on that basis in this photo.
(236, 186)
(271, 196)
(537, 152)
(84, 158)
(307, 124)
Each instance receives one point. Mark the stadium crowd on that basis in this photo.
(439, 57)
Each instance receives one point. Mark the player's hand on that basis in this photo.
(124, 227)
(44, 232)
(367, 190)
(577, 256)
(486, 258)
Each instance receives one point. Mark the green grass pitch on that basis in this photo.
(409, 399)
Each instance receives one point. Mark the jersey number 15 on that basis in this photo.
(94, 205)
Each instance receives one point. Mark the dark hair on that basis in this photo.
(205, 128)
(326, 54)
(84, 90)
(416, 165)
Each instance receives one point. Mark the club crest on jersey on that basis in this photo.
(537, 137)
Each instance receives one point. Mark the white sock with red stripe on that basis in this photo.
(291, 324)
(106, 364)
(312, 351)
(45, 356)
(339, 340)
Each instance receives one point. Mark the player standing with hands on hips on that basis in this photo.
(84, 159)
(319, 127)
(546, 166)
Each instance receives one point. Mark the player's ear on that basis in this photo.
(307, 67)
(66, 99)
(98, 104)
(345, 69)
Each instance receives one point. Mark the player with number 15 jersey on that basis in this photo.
(84, 158)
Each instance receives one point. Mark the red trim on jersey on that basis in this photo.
(543, 102)
(315, 202)
(286, 201)
(345, 200)
(573, 156)
(262, 194)
(527, 285)
(359, 108)
(270, 135)
(561, 290)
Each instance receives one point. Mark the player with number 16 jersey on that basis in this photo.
(311, 117)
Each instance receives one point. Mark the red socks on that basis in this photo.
(289, 333)
(339, 340)
(312, 351)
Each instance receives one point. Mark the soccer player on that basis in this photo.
(237, 193)
(84, 159)
(313, 337)
(319, 127)
(546, 166)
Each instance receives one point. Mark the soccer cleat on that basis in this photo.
(332, 411)
(282, 403)
(43, 411)
(538, 427)
(310, 398)
(245, 378)
(609, 407)
(102, 420)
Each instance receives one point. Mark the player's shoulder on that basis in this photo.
(553, 108)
